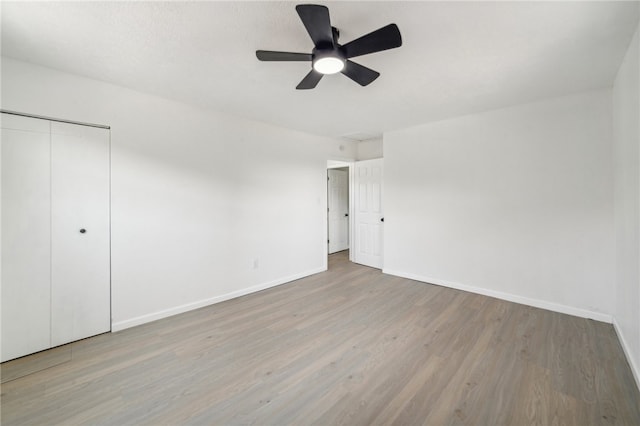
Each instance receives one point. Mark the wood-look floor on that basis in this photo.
(348, 346)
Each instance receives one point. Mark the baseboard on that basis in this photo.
(627, 351)
(143, 319)
(543, 304)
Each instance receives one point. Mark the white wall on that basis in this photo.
(626, 142)
(515, 203)
(369, 150)
(197, 195)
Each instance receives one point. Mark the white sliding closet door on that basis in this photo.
(80, 270)
(26, 236)
(55, 234)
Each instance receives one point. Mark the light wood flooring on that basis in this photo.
(347, 346)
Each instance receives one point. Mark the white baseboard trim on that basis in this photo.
(143, 319)
(550, 306)
(627, 351)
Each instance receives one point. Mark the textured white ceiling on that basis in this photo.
(457, 57)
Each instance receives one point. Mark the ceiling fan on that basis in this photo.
(328, 56)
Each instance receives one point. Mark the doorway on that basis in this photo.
(338, 209)
(339, 212)
(363, 220)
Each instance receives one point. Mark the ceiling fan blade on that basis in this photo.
(268, 55)
(310, 81)
(381, 39)
(360, 74)
(316, 20)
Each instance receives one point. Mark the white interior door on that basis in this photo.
(80, 258)
(26, 236)
(369, 219)
(338, 203)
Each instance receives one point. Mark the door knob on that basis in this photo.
(346, 214)
(382, 219)
(82, 231)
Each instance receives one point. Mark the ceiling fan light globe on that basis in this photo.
(328, 65)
